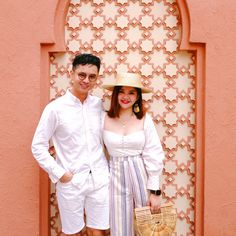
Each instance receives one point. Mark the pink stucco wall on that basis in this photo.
(213, 22)
(25, 24)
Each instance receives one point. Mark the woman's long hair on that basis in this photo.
(114, 110)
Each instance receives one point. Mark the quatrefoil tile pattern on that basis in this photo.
(143, 37)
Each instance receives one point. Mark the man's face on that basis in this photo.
(83, 79)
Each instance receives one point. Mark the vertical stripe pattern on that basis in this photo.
(127, 191)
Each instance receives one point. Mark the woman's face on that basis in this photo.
(127, 96)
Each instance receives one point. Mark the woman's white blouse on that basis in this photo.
(144, 142)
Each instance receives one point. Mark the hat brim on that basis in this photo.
(111, 87)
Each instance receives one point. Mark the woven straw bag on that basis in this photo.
(160, 224)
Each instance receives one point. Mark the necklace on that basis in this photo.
(124, 124)
(125, 121)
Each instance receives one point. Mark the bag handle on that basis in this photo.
(143, 214)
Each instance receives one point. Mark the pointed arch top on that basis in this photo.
(58, 43)
(185, 20)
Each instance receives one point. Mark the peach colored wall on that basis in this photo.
(213, 22)
(24, 25)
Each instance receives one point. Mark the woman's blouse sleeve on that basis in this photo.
(153, 154)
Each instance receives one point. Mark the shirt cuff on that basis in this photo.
(56, 174)
(153, 183)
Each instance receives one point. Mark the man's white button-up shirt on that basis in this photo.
(75, 130)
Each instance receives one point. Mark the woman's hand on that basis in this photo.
(154, 203)
(67, 177)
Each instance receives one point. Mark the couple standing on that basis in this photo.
(78, 127)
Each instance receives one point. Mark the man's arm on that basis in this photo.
(40, 144)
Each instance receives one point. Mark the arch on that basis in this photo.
(58, 45)
(199, 49)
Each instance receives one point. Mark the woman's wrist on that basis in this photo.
(155, 192)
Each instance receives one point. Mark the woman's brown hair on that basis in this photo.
(114, 110)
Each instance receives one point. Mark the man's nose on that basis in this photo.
(86, 79)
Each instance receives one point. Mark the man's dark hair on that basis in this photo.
(84, 59)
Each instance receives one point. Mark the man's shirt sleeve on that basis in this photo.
(40, 144)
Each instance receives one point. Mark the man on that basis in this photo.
(80, 170)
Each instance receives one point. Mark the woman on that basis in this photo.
(136, 154)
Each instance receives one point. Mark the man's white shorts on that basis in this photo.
(73, 201)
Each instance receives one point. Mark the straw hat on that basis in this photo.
(160, 224)
(127, 79)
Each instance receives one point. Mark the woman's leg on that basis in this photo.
(121, 200)
(138, 178)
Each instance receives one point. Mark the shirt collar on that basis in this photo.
(73, 98)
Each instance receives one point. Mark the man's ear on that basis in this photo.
(72, 74)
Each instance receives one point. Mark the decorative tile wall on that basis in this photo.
(140, 36)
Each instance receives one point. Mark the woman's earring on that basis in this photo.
(136, 108)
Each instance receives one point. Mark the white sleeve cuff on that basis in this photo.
(56, 174)
(153, 183)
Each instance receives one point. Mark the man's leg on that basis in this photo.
(77, 234)
(95, 232)
(97, 211)
(71, 208)
(83, 232)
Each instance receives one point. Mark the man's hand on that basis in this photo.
(67, 177)
(154, 203)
